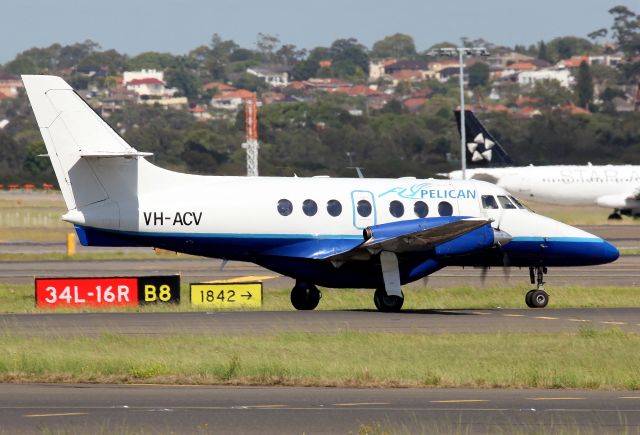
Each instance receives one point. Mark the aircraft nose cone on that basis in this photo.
(609, 252)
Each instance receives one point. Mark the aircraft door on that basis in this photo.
(364, 209)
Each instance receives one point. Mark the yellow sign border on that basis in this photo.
(218, 304)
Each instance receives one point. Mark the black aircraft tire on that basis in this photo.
(539, 299)
(305, 298)
(385, 303)
(614, 217)
(527, 299)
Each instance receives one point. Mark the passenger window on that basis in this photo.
(334, 208)
(445, 209)
(504, 202)
(364, 208)
(285, 207)
(489, 201)
(396, 208)
(309, 207)
(421, 209)
(516, 202)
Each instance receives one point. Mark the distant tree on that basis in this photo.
(267, 45)
(607, 96)
(542, 51)
(290, 55)
(597, 34)
(396, 46)
(626, 30)
(568, 46)
(550, 94)
(478, 74)
(250, 82)
(151, 60)
(348, 55)
(110, 59)
(309, 67)
(181, 76)
(221, 51)
(584, 86)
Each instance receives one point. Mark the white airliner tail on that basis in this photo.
(86, 154)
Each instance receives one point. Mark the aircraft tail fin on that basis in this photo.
(89, 158)
(483, 150)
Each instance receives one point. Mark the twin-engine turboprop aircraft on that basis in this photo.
(357, 233)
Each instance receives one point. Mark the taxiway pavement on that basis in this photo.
(267, 410)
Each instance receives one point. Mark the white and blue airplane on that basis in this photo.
(341, 233)
(610, 186)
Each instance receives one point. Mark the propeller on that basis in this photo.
(500, 239)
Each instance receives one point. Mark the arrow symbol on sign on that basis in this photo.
(247, 295)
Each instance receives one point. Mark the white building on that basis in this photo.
(147, 83)
(529, 78)
(128, 76)
(275, 75)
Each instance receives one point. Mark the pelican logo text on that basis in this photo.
(421, 191)
(159, 218)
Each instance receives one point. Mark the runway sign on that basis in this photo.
(106, 292)
(227, 294)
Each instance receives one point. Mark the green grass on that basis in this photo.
(589, 359)
(19, 298)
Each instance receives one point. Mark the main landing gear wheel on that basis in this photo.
(387, 303)
(615, 216)
(305, 296)
(537, 299)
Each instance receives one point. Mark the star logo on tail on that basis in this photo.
(480, 148)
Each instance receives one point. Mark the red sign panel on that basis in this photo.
(77, 292)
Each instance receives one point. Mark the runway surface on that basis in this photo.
(265, 322)
(266, 410)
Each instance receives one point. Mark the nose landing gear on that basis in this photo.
(537, 298)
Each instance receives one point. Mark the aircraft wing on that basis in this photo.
(416, 240)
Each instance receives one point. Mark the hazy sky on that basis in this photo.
(134, 26)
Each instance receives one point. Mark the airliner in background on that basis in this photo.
(610, 186)
(332, 232)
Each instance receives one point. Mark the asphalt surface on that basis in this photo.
(265, 322)
(279, 410)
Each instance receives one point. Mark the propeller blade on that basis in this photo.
(483, 275)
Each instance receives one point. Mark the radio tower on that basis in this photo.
(251, 145)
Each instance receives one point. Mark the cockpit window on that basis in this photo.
(489, 201)
(516, 202)
(504, 202)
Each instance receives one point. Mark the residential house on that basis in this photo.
(221, 87)
(406, 65)
(529, 78)
(414, 104)
(200, 113)
(504, 59)
(274, 75)
(572, 62)
(9, 84)
(232, 100)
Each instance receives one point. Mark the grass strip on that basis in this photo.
(19, 298)
(587, 359)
